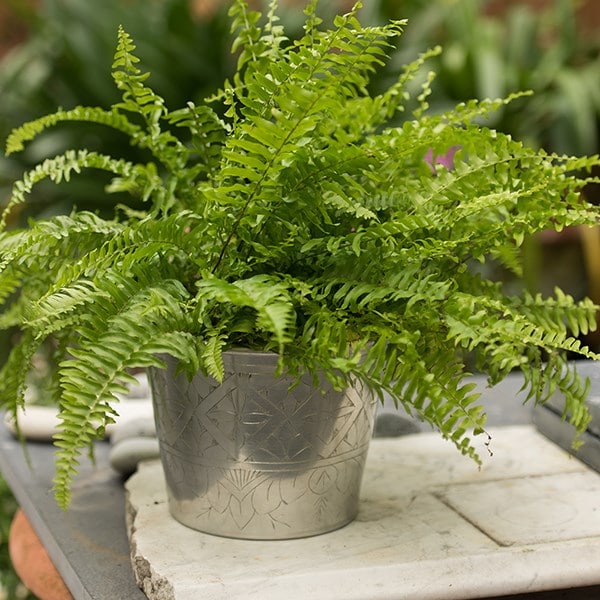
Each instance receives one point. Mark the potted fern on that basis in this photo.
(292, 228)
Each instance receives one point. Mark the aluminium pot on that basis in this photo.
(254, 457)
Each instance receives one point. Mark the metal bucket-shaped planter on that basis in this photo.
(250, 458)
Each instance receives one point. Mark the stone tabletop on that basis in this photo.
(431, 527)
(89, 543)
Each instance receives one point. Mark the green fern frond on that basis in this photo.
(110, 345)
(137, 97)
(34, 259)
(248, 38)
(212, 355)
(510, 335)
(61, 168)
(270, 299)
(299, 109)
(28, 131)
(14, 373)
(121, 249)
(466, 112)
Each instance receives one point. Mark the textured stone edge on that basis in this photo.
(154, 585)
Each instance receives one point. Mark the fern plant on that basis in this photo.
(285, 214)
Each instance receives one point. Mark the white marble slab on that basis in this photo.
(534, 510)
(431, 527)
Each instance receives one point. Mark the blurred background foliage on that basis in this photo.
(488, 54)
(58, 53)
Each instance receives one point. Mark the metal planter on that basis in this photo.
(251, 458)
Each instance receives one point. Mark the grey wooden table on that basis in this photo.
(88, 543)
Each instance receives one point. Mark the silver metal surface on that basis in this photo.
(253, 458)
